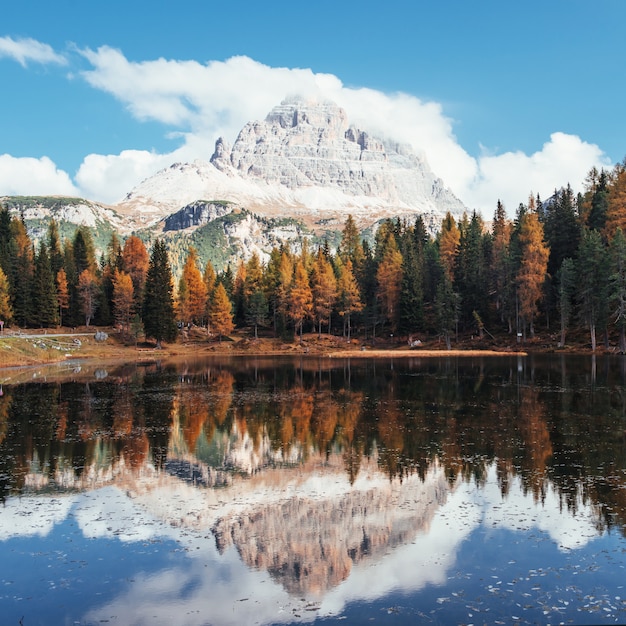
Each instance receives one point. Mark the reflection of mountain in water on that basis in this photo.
(310, 545)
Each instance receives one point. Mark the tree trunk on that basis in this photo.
(592, 332)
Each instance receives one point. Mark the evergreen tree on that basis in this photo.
(566, 286)
(500, 264)
(447, 308)
(561, 228)
(591, 271)
(84, 251)
(412, 288)
(158, 303)
(594, 204)
(22, 275)
(617, 285)
(6, 237)
(471, 270)
(45, 314)
(54, 247)
(256, 311)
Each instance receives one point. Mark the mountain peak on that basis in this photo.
(305, 160)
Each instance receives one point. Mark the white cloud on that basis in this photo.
(25, 50)
(201, 102)
(217, 99)
(107, 178)
(31, 177)
(513, 176)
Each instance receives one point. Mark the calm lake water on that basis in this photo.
(277, 491)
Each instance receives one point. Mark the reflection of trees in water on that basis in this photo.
(551, 421)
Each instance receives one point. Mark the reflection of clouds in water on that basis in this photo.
(109, 512)
(221, 589)
(33, 515)
(519, 511)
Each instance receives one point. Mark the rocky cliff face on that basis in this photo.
(307, 162)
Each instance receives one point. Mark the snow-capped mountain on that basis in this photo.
(303, 161)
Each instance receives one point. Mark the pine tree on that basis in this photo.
(44, 291)
(256, 311)
(22, 274)
(158, 302)
(471, 270)
(500, 263)
(412, 289)
(561, 228)
(54, 247)
(566, 285)
(84, 251)
(617, 285)
(591, 271)
(447, 308)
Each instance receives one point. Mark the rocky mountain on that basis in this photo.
(300, 172)
(307, 162)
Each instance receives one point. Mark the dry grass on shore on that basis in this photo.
(37, 347)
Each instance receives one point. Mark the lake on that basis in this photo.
(266, 490)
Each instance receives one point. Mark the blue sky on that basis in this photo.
(504, 99)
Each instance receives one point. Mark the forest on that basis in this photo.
(558, 266)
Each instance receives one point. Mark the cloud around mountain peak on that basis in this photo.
(199, 102)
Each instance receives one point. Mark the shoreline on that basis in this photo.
(41, 348)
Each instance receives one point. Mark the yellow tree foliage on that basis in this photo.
(533, 266)
(389, 280)
(300, 298)
(324, 285)
(136, 260)
(88, 291)
(195, 293)
(349, 296)
(123, 298)
(221, 313)
(616, 209)
(6, 312)
(449, 239)
(254, 276)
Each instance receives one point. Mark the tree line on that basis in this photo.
(560, 264)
